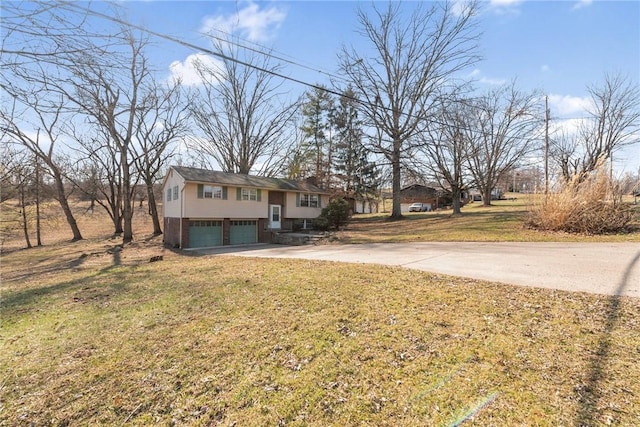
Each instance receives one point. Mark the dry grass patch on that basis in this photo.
(591, 205)
(237, 341)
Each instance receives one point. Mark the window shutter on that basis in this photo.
(259, 195)
(200, 191)
(298, 200)
(319, 200)
(238, 193)
(224, 193)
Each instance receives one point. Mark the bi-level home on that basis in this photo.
(205, 208)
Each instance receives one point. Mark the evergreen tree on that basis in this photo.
(357, 175)
(317, 134)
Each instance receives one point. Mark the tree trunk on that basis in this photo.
(38, 233)
(455, 194)
(127, 211)
(153, 210)
(64, 204)
(486, 196)
(396, 211)
(25, 227)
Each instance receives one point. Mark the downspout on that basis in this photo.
(181, 211)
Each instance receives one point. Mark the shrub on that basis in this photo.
(335, 215)
(590, 204)
(321, 223)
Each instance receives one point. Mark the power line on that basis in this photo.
(244, 63)
(266, 51)
(203, 49)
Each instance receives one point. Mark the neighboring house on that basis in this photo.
(435, 198)
(417, 193)
(358, 205)
(204, 208)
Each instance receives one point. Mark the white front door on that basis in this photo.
(274, 216)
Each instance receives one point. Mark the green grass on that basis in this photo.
(87, 340)
(501, 222)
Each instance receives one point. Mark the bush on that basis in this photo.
(321, 223)
(588, 205)
(335, 215)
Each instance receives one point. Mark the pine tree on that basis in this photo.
(357, 175)
(318, 134)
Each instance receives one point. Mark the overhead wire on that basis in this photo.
(202, 49)
(267, 51)
(223, 56)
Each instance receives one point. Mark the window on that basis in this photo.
(217, 192)
(208, 192)
(249, 194)
(212, 192)
(175, 193)
(310, 200)
(168, 194)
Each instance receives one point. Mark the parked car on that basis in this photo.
(419, 207)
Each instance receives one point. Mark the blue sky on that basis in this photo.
(557, 47)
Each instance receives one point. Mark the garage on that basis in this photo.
(242, 232)
(205, 233)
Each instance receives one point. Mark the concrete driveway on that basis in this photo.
(601, 268)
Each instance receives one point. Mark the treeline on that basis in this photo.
(85, 108)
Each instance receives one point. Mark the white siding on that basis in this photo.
(219, 208)
(171, 209)
(293, 211)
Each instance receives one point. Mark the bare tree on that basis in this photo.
(99, 175)
(503, 128)
(411, 60)
(160, 120)
(109, 93)
(47, 114)
(444, 152)
(613, 123)
(46, 32)
(242, 114)
(41, 42)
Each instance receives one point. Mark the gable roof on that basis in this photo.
(205, 176)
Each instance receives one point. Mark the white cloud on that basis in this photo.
(504, 3)
(502, 7)
(186, 71)
(492, 82)
(251, 22)
(458, 7)
(476, 74)
(567, 127)
(567, 105)
(545, 68)
(581, 3)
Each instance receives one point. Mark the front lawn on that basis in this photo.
(95, 336)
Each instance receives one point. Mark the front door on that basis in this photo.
(274, 216)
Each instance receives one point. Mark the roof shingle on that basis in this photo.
(205, 176)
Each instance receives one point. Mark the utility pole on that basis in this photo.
(546, 145)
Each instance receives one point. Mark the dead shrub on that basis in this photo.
(590, 204)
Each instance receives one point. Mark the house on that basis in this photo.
(434, 197)
(204, 208)
(417, 193)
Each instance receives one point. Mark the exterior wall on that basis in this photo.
(171, 236)
(218, 208)
(264, 235)
(172, 208)
(293, 211)
(277, 197)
